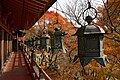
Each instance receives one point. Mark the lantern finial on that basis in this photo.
(88, 19)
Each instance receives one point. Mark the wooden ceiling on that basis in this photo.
(23, 14)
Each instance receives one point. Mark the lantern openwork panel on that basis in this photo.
(37, 42)
(27, 42)
(92, 45)
(58, 39)
(32, 42)
(45, 42)
(58, 42)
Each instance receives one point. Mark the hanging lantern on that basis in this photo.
(32, 42)
(27, 42)
(90, 43)
(58, 41)
(45, 41)
(37, 43)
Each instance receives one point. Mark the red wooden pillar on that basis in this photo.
(14, 42)
(5, 46)
(10, 43)
(2, 48)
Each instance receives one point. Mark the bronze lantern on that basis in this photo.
(37, 43)
(27, 42)
(90, 43)
(90, 40)
(58, 41)
(45, 41)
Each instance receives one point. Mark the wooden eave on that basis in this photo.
(21, 14)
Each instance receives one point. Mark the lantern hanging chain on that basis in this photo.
(63, 12)
(86, 10)
(89, 5)
(44, 21)
(56, 13)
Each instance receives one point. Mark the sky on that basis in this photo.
(61, 3)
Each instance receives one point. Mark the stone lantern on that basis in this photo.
(58, 41)
(90, 43)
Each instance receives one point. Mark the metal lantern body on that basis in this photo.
(37, 43)
(32, 42)
(27, 42)
(45, 42)
(58, 41)
(90, 44)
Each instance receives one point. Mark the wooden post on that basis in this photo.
(7, 45)
(10, 43)
(0, 9)
(2, 49)
(17, 41)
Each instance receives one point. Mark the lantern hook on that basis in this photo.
(89, 18)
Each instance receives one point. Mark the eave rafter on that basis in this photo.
(24, 13)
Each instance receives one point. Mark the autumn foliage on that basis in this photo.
(66, 68)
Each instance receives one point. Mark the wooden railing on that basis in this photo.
(36, 72)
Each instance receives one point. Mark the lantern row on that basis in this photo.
(48, 43)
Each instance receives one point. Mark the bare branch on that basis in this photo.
(108, 14)
(113, 38)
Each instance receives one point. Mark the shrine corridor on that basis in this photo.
(15, 68)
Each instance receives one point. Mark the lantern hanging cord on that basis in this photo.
(89, 18)
(63, 12)
(89, 5)
(56, 12)
(44, 19)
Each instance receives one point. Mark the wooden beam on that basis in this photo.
(25, 6)
(40, 2)
(30, 10)
(44, 1)
(35, 4)
(4, 28)
(48, 5)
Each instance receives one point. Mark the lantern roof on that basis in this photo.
(93, 29)
(45, 36)
(90, 29)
